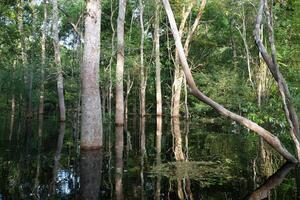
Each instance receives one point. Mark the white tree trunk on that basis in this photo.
(119, 120)
(60, 79)
(91, 117)
(269, 137)
(43, 48)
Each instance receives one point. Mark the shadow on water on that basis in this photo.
(153, 159)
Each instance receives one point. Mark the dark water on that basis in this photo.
(42, 160)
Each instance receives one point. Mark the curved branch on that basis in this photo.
(269, 137)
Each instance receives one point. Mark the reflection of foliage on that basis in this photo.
(207, 173)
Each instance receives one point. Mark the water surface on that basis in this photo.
(41, 159)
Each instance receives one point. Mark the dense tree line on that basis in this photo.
(146, 57)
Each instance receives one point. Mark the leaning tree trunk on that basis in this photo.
(269, 137)
(43, 46)
(120, 65)
(60, 79)
(91, 116)
(272, 64)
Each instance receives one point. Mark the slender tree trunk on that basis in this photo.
(142, 67)
(120, 65)
(30, 67)
(158, 94)
(23, 52)
(272, 64)
(179, 74)
(13, 105)
(12, 116)
(91, 115)
(129, 85)
(269, 137)
(43, 46)
(142, 95)
(243, 34)
(60, 79)
(158, 153)
(157, 61)
(110, 93)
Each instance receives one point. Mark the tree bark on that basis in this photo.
(272, 64)
(262, 76)
(142, 66)
(60, 79)
(157, 60)
(23, 52)
(129, 84)
(178, 151)
(119, 120)
(269, 137)
(43, 47)
(179, 74)
(243, 35)
(91, 117)
(110, 93)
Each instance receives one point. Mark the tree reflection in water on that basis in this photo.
(276, 179)
(119, 162)
(90, 174)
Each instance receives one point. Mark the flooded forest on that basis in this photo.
(149, 99)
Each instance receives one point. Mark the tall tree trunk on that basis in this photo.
(158, 94)
(142, 67)
(110, 94)
(269, 137)
(13, 105)
(272, 64)
(22, 44)
(60, 79)
(43, 46)
(91, 116)
(157, 61)
(243, 35)
(120, 65)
